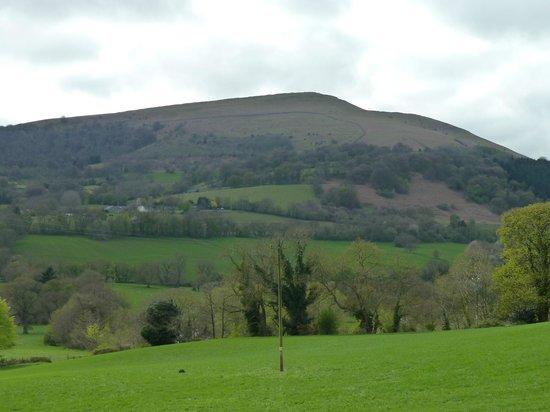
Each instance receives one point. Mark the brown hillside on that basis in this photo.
(310, 118)
(425, 193)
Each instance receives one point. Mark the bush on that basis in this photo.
(434, 268)
(21, 361)
(342, 196)
(406, 241)
(93, 305)
(162, 323)
(7, 326)
(328, 322)
(103, 351)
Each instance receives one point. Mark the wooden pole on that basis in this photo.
(280, 301)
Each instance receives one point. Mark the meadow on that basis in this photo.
(477, 369)
(32, 344)
(244, 217)
(137, 295)
(281, 195)
(75, 249)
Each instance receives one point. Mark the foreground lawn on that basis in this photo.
(481, 369)
(76, 249)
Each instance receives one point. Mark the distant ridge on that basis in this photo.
(309, 118)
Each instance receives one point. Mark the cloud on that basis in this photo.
(497, 17)
(318, 8)
(252, 69)
(39, 43)
(97, 86)
(479, 65)
(56, 10)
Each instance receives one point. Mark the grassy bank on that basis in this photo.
(478, 369)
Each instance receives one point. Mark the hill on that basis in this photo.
(476, 369)
(277, 155)
(308, 118)
(425, 193)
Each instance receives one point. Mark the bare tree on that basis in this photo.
(355, 283)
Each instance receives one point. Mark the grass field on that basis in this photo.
(243, 217)
(477, 369)
(74, 249)
(136, 294)
(281, 195)
(33, 345)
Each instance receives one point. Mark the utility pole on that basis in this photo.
(280, 304)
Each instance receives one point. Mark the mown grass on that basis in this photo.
(281, 195)
(75, 249)
(506, 368)
(33, 345)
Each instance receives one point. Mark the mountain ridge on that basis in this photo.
(309, 117)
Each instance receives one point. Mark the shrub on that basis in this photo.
(434, 268)
(93, 304)
(162, 323)
(327, 323)
(20, 361)
(406, 241)
(342, 196)
(7, 326)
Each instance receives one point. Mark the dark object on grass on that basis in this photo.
(181, 371)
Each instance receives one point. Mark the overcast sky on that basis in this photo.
(481, 65)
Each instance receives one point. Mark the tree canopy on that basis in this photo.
(524, 279)
(7, 326)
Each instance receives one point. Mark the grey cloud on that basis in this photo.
(61, 9)
(325, 62)
(317, 8)
(497, 17)
(97, 86)
(44, 47)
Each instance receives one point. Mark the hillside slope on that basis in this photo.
(436, 196)
(308, 118)
(478, 369)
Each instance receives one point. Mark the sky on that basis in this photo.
(480, 65)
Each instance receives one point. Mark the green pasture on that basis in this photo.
(282, 195)
(135, 294)
(32, 344)
(505, 368)
(49, 249)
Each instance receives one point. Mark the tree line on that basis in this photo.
(355, 292)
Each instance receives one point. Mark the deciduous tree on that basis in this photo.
(7, 326)
(525, 275)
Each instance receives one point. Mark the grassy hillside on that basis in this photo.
(77, 249)
(478, 369)
(281, 195)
